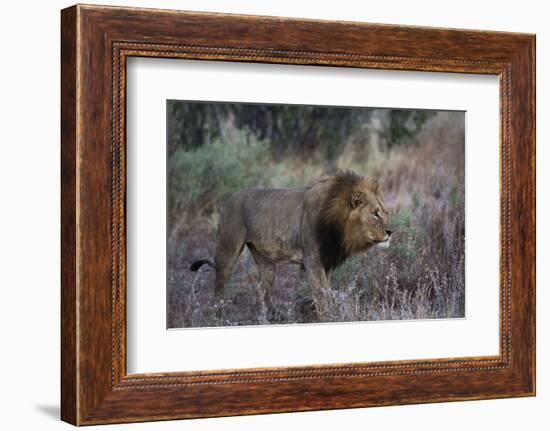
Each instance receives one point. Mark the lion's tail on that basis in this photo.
(198, 263)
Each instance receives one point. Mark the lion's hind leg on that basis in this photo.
(229, 245)
(227, 255)
(266, 270)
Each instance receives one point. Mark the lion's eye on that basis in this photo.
(376, 215)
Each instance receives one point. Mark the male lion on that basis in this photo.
(317, 227)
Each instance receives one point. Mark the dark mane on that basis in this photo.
(332, 250)
(334, 212)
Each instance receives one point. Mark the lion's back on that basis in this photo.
(270, 212)
(270, 217)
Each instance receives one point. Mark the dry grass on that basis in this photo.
(420, 276)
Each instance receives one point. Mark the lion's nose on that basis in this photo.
(389, 232)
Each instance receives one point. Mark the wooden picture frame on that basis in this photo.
(95, 43)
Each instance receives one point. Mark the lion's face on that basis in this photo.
(352, 219)
(367, 223)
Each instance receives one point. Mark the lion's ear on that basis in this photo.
(356, 199)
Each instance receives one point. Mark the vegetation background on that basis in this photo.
(215, 149)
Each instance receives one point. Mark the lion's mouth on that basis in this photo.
(384, 243)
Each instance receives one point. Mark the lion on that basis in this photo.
(317, 227)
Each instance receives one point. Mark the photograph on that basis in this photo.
(305, 214)
(275, 215)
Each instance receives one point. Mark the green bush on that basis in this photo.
(201, 179)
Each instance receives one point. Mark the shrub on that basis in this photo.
(201, 180)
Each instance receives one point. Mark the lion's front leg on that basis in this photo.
(318, 283)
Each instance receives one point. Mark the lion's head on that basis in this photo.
(353, 218)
